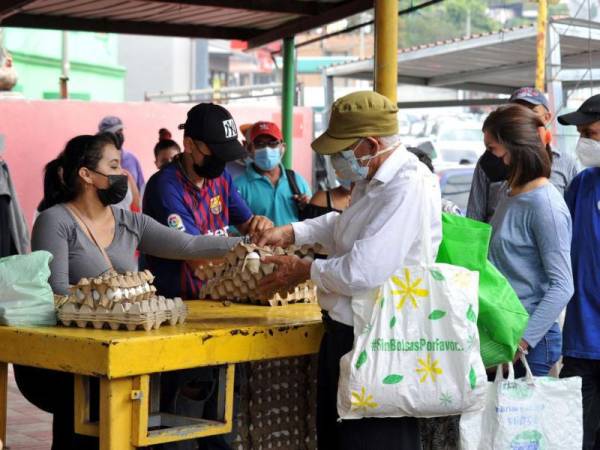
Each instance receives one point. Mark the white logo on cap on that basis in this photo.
(230, 128)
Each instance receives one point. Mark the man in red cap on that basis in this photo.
(268, 188)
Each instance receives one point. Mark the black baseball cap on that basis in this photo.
(213, 125)
(588, 112)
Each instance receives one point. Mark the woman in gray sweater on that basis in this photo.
(531, 239)
(87, 237)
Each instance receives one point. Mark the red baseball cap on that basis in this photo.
(267, 128)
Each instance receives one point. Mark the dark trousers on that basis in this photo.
(362, 434)
(52, 391)
(589, 371)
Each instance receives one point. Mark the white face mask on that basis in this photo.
(588, 152)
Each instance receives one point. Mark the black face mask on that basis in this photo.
(493, 167)
(116, 191)
(211, 168)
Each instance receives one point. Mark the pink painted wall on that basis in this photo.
(36, 131)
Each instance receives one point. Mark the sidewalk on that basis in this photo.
(29, 428)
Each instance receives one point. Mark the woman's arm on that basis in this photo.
(50, 234)
(552, 232)
(164, 242)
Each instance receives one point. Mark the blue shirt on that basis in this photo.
(173, 200)
(264, 199)
(581, 333)
(530, 246)
(131, 164)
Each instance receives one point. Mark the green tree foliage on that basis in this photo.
(446, 20)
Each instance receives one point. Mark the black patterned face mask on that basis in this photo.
(494, 167)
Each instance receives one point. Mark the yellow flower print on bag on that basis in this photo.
(362, 401)
(429, 369)
(409, 290)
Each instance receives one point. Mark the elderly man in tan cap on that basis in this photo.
(378, 234)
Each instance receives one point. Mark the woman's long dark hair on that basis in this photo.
(516, 128)
(61, 177)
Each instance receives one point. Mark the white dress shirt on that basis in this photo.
(379, 233)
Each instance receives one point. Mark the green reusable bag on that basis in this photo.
(26, 298)
(502, 318)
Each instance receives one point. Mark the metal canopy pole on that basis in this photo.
(542, 27)
(386, 48)
(64, 76)
(287, 99)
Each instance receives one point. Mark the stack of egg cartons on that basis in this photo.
(238, 277)
(119, 301)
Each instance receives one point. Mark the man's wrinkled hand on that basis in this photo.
(258, 225)
(289, 272)
(276, 237)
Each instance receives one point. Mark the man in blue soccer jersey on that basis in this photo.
(194, 194)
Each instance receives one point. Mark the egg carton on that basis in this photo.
(112, 288)
(237, 279)
(147, 314)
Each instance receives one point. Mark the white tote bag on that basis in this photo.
(531, 413)
(416, 345)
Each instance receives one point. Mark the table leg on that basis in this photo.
(3, 399)
(115, 414)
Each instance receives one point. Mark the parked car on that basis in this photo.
(455, 183)
(458, 141)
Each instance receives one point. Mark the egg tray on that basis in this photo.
(237, 279)
(147, 314)
(112, 288)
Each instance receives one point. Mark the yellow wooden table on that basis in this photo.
(214, 334)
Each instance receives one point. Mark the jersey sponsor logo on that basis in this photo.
(220, 232)
(216, 205)
(175, 221)
(230, 128)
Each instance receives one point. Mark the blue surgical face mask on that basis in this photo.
(346, 184)
(347, 165)
(267, 158)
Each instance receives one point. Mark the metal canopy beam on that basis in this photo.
(452, 103)
(576, 75)
(296, 26)
(461, 77)
(275, 6)
(576, 31)
(10, 7)
(126, 27)
(468, 44)
(489, 88)
(350, 68)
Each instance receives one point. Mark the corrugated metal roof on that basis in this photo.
(493, 62)
(257, 21)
